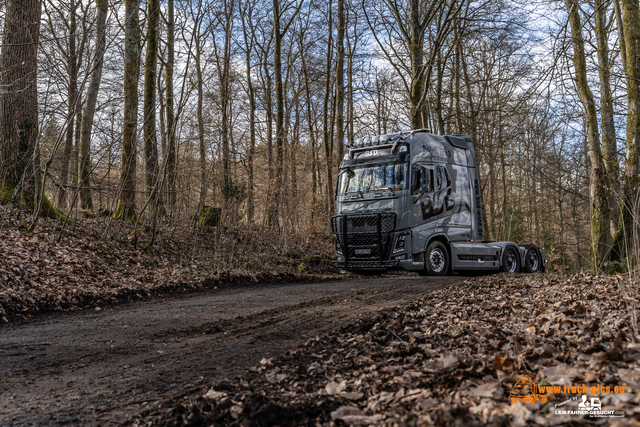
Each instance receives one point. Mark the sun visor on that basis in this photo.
(377, 155)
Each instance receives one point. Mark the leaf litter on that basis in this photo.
(96, 262)
(449, 359)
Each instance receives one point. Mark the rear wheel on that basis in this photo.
(510, 261)
(436, 259)
(532, 262)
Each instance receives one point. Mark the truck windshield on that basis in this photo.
(381, 176)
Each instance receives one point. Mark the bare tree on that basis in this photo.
(126, 209)
(246, 12)
(19, 101)
(279, 31)
(72, 100)
(631, 205)
(600, 236)
(84, 166)
(327, 141)
(150, 140)
(340, 80)
(412, 24)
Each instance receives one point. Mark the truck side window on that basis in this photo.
(442, 178)
(428, 180)
(416, 181)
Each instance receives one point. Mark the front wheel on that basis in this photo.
(510, 261)
(436, 259)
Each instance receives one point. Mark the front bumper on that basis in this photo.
(368, 265)
(363, 240)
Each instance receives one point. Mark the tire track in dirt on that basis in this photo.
(104, 367)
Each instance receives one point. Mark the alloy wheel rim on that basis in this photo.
(511, 262)
(436, 260)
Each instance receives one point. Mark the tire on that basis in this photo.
(532, 261)
(510, 261)
(436, 259)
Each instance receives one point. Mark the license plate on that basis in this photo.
(363, 251)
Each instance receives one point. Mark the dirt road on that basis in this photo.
(103, 367)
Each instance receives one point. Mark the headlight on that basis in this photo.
(399, 247)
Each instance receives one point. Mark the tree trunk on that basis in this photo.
(279, 32)
(312, 132)
(172, 155)
(600, 237)
(19, 100)
(630, 206)
(438, 107)
(126, 209)
(162, 112)
(328, 151)
(268, 216)
(200, 117)
(277, 68)
(610, 151)
(149, 107)
(72, 99)
(223, 67)
(248, 43)
(503, 167)
(340, 82)
(84, 167)
(225, 96)
(352, 43)
(295, 142)
(473, 114)
(621, 39)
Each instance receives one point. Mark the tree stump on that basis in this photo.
(209, 216)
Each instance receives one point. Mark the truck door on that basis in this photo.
(443, 194)
(431, 193)
(422, 208)
(421, 197)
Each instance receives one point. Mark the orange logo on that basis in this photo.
(526, 390)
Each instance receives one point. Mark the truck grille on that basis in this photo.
(364, 239)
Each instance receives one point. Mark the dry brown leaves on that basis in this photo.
(451, 358)
(91, 267)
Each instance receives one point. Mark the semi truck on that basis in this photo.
(412, 201)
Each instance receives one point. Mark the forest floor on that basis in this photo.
(451, 357)
(110, 367)
(96, 261)
(125, 340)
